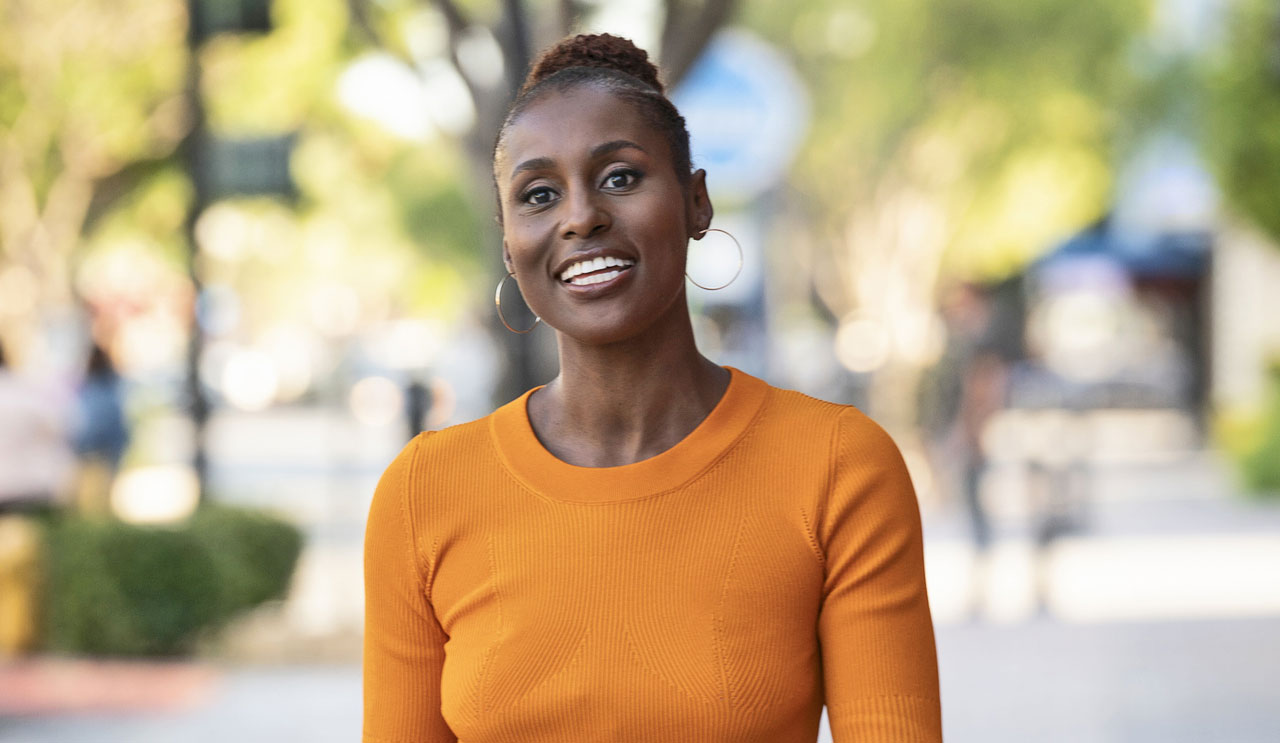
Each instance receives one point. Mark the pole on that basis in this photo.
(194, 156)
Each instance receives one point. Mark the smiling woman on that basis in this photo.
(650, 546)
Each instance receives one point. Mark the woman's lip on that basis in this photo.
(591, 291)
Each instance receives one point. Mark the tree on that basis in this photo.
(954, 137)
(90, 115)
(1243, 139)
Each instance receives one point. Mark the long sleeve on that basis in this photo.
(403, 641)
(880, 668)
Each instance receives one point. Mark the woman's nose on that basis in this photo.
(585, 216)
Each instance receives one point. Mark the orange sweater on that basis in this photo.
(719, 592)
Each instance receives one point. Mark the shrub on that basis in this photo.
(1253, 441)
(254, 553)
(113, 588)
(1261, 463)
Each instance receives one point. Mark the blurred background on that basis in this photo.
(247, 249)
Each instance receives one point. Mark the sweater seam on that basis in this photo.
(832, 457)
(718, 618)
(884, 696)
(407, 520)
(811, 539)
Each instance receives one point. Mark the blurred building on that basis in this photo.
(1245, 320)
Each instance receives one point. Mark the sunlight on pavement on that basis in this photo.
(1105, 579)
(1184, 577)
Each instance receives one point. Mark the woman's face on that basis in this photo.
(595, 220)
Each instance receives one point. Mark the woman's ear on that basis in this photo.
(506, 258)
(699, 203)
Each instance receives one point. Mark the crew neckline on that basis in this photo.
(540, 470)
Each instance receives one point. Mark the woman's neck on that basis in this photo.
(620, 403)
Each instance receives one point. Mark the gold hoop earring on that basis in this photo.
(497, 300)
(736, 244)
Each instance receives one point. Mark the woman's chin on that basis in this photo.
(598, 332)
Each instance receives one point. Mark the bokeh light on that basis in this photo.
(376, 401)
(157, 494)
(863, 344)
(249, 379)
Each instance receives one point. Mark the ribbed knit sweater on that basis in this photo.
(719, 592)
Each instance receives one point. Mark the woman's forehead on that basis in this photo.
(574, 124)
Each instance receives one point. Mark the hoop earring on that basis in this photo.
(735, 273)
(497, 300)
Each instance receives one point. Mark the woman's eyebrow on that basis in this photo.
(614, 146)
(543, 163)
(537, 163)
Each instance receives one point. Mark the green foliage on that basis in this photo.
(434, 208)
(93, 107)
(1244, 114)
(270, 83)
(1256, 443)
(253, 552)
(118, 589)
(1001, 113)
(87, 87)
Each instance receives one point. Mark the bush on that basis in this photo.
(118, 589)
(1261, 464)
(1254, 443)
(254, 553)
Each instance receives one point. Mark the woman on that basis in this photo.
(101, 434)
(650, 547)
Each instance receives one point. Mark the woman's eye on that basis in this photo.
(538, 196)
(621, 178)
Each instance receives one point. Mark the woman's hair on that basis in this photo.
(617, 65)
(99, 362)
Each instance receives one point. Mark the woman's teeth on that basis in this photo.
(594, 278)
(575, 274)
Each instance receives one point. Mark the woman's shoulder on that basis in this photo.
(451, 439)
(846, 426)
(458, 442)
(785, 406)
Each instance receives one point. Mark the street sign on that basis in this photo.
(250, 166)
(747, 112)
(212, 17)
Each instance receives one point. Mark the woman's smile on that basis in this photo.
(595, 273)
(583, 271)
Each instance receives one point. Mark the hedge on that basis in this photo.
(113, 588)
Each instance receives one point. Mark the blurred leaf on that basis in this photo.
(1243, 139)
(962, 97)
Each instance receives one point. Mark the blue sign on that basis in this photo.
(747, 111)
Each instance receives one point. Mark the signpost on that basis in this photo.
(220, 168)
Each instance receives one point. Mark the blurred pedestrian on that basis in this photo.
(35, 461)
(101, 434)
(417, 405)
(651, 546)
(961, 394)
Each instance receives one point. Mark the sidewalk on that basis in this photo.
(246, 705)
(55, 686)
(1172, 682)
(1168, 542)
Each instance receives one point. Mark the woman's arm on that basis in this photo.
(880, 665)
(403, 641)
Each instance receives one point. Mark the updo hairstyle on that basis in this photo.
(617, 65)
